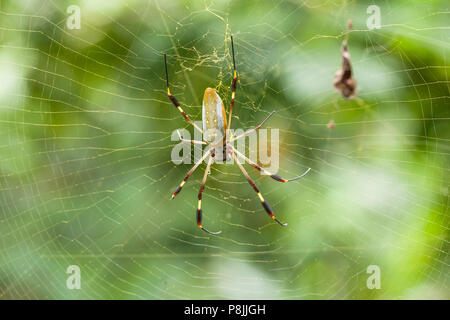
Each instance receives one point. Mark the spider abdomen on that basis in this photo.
(213, 117)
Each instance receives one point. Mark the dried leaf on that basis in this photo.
(343, 80)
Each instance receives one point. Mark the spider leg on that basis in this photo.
(190, 141)
(200, 193)
(233, 85)
(263, 202)
(260, 169)
(252, 130)
(175, 101)
(178, 189)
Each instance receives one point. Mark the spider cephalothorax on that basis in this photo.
(216, 136)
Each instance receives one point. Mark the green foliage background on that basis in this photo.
(85, 145)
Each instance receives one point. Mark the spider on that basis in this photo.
(214, 119)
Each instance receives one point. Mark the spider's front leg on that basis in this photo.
(175, 101)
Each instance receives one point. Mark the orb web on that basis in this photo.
(86, 174)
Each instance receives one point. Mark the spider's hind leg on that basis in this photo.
(180, 186)
(200, 195)
(262, 170)
(263, 202)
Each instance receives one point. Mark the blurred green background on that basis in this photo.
(85, 146)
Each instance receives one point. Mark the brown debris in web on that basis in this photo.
(349, 24)
(343, 79)
(331, 125)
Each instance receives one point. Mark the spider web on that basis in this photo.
(86, 175)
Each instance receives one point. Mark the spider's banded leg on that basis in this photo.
(178, 189)
(233, 85)
(175, 101)
(190, 141)
(260, 169)
(193, 141)
(200, 193)
(252, 130)
(263, 202)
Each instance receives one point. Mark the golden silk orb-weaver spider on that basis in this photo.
(214, 120)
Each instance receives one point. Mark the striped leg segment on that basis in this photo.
(178, 189)
(260, 169)
(252, 130)
(263, 202)
(175, 101)
(233, 85)
(200, 193)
